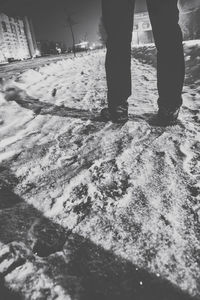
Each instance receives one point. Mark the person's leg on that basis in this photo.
(118, 22)
(164, 17)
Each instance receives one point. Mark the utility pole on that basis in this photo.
(71, 23)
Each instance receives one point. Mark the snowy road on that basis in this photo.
(16, 68)
(126, 196)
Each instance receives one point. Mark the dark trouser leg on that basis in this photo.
(164, 17)
(118, 22)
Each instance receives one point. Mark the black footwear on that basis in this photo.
(167, 116)
(117, 115)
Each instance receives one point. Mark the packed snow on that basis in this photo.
(131, 189)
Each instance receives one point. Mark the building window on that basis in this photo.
(12, 28)
(135, 27)
(15, 31)
(145, 25)
(4, 26)
(20, 32)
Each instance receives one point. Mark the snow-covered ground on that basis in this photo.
(16, 68)
(127, 196)
(147, 54)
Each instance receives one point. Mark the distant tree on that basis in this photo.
(71, 12)
(49, 47)
(52, 46)
(71, 22)
(102, 32)
(45, 47)
(197, 24)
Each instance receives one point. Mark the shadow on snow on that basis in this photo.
(89, 272)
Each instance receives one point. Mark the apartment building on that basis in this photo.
(142, 30)
(17, 39)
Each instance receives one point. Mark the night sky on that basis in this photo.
(48, 17)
